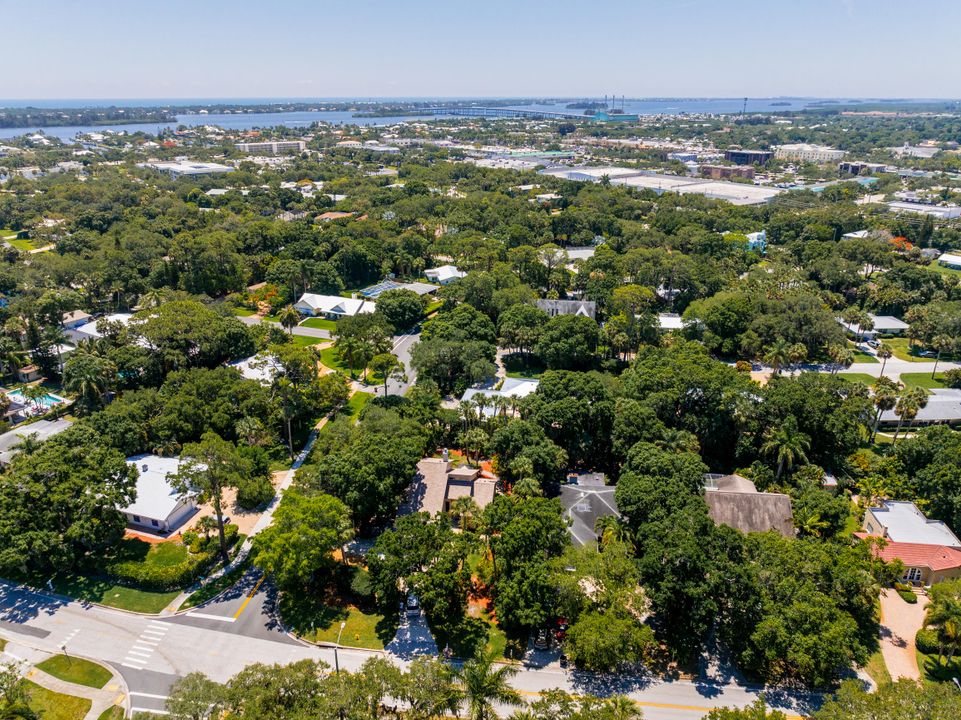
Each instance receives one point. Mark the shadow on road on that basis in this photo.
(19, 605)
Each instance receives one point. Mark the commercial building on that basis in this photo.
(159, 507)
(274, 147)
(332, 306)
(723, 172)
(804, 152)
(860, 168)
(182, 167)
(939, 212)
(748, 157)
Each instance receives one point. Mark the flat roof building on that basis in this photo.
(444, 275)
(272, 147)
(748, 157)
(941, 212)
(723, 172)
(805, 152)
(184, 168)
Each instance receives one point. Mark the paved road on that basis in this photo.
(403, 344)
(152, 652)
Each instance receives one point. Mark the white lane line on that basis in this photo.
(135, 667)
(152, 635)
(149, 710)
(211, 617)
(148, 650)
(139, 653)
(147, 642)
(149, 695)
(160, 626)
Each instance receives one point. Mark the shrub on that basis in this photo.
(361, 587)
(148, 576)
(743, 366)
(927, 641)
(908, 596)
(952, 378)
(254, 492)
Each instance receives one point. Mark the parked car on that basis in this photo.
(561, 632)
(542, 640)
(411, 606)
(874, 343)
(565, 661)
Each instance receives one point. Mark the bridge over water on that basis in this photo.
(503, 112)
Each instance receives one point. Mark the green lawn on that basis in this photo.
(904, 351)
(76, 670)
(112, 713)
(214, 588)
(243, 312)
(868, 380)
(331, 358)
(320, 324)
(950, 272)
(313, 620)
(934, 671)
(106, 592)
(355, 405)
(304, 341)
(22, 245)
(433, 307)
(876, 668)
(55, 706)
(923, 380)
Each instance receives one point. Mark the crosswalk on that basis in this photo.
(138, 656)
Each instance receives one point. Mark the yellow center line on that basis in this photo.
(663, 706)
(247, 599)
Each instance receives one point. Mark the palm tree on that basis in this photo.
(28, 444)
(910, 401)
(251, 431)
(941, 343)
(465, 510)
(787, 444)
(485, 686)
(610, 529)
(55, 337)
(885, 398)
(777, 355)
(621, 707)
(88, 377)
(11, 356)
(797, 353)
(884, 352)
(153, 298)
(677, 441)
(466, 408)
(474, 441)
(944, 614)
(289, 318)
(35, 394)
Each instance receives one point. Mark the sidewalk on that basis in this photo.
(113, 693)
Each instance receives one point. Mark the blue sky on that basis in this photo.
(639, 48)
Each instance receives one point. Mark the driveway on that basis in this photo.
(900, 622)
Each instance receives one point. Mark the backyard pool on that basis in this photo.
(43, 403)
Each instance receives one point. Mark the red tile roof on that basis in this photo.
(935, 557)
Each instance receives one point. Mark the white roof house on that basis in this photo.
(670, 321)
(445, 274)
(158, 507)
(902, 522)
(332, 306)
(950, 260)
(511, 387)
(883, 324)
(89, 329)
(182, 167)
(262, 367)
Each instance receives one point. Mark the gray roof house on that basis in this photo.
(734, 501)
(584, 503)
(554, 308)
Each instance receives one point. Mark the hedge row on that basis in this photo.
(165, 578)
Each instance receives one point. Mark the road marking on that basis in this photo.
(149, 710)
(247, 600)
(147, 650)
(149, 695)
(153, 634)
(148, 642)
(662, 706)
(211, 617)
(135, 667)
(161, 626)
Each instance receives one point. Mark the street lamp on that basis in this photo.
(337, 645)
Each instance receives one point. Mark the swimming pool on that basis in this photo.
(46, 402)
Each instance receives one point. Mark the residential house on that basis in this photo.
(950, 260)
(89, 330)
(262, 368)
(670, 321)
(585, 501)
(332, 306)
(437, 484)
(883, 325)
(943, 408)
(159, 507)
(510, 388)
(554, 308)
(923, 564)
(734, 501)
(901, 521)
(74, 319)
(374, 291)
(444, 275)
